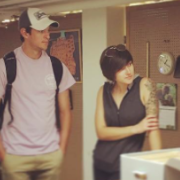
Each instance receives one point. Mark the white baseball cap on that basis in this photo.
(36, 19)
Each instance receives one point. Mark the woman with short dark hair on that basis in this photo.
(126, 109)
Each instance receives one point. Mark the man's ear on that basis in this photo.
(24, 33)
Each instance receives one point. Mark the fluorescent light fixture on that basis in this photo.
(68, 12)
(165, 0)
(6, 21)
(135, 4)
(77, 11)
(148, 2)
(12, 19)
(65, 12)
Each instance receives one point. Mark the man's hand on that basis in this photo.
(2, 154)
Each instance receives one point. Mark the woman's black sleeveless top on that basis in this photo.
(131, 111)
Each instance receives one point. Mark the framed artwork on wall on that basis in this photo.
(66, 46)
(167, 94)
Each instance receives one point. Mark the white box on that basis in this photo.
(151, 165)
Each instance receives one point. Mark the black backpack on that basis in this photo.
(11, 66)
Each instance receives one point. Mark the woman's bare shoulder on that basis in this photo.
(146, 83)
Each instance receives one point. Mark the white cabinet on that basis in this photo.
(151, 165)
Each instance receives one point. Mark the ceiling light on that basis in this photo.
(12, 19)
(77, 11)
(148, 2)
(65, 12)
(135, 4)
(68, 12)
(6, 21)
(165, 0)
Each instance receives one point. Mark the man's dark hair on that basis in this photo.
(28, 30)
(114, 59)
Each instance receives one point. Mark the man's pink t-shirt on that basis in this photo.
(33, 130)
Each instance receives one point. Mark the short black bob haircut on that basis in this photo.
(113, 59)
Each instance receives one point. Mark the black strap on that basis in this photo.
(57, 68)
(58, 71)
(10, 64)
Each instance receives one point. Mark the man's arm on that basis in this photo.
(3, 82)
(152, 108)
(65, 119)
(2, 150)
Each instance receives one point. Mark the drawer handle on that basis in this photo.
(140, 175)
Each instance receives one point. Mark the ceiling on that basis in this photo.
(13, 8)
(10, 7)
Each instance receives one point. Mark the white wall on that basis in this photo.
(94, 40)
(101, 27)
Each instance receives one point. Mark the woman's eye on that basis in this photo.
(130, 63)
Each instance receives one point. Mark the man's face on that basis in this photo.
(39, 39)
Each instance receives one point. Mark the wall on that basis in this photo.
(102, 27)
(156, 24)
(72, 168)
(73, 160)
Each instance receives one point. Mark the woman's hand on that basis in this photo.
(149, 123)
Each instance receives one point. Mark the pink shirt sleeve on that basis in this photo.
(3, 79)
(67, 80)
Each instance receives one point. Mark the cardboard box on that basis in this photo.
(151, 165)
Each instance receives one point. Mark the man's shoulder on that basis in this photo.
(2, 64)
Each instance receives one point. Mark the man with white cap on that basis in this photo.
(32, 144)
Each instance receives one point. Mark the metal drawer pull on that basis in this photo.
(140, 175)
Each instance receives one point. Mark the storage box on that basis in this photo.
(151, 165)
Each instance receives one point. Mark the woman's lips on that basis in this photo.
(128, 77)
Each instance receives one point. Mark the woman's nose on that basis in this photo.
(128, 69)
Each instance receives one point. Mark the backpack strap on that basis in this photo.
(58, 72)
(10, 64)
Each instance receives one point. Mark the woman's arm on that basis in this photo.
(116, 133)
(148, 89)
